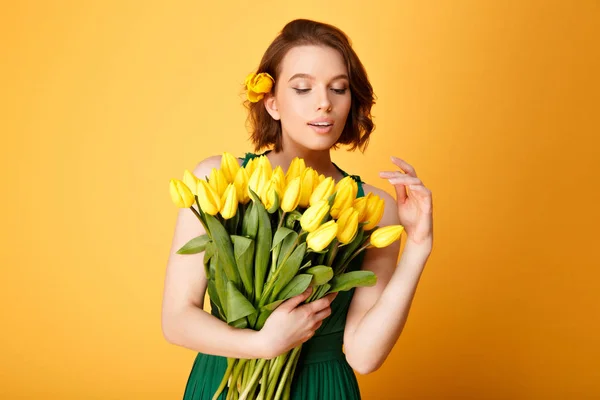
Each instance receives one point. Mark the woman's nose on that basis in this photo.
(324, 103)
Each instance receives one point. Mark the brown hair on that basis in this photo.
(266, 131)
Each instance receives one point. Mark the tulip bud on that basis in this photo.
(322, 236)
(267, 196)
(347, 225)
(251, 166)
(229, 166)
(281, 176)
(241, 186)
(360, 205)
(313, 215)
(190, 180)
(291, 196)
(258, 180)
(323, 190)
(348, 180)
(295, 169)
(375, 208)
(217, 181)
(209, 199)
(309, 180)
(343, 199)
(229, 202)
(264, 161)
(385, 236)
(181, 194)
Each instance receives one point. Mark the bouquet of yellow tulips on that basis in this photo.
(269, 236)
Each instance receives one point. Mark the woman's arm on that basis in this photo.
(378, 314)
(184, 322)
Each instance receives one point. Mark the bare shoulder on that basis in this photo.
(203, 168)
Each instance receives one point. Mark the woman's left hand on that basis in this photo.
(414, 202)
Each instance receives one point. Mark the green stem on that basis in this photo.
(254, 379)
(230, 364)
(276, 368)
(288, 385)
(286, 373)
(264, 381)
(236, 373)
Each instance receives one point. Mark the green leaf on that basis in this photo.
(288, 270)
(350, 280)
(321, 274)
(296, 286)
(238, 305)
(287, 246)
(250, 222)
(214, 297)
(221, 288)
(241, 323)
(243, 249)
(196, 245)
(223, 243)
(306, 265)
(281, 234)
(321, 291)
(262, 317)
(263, 245)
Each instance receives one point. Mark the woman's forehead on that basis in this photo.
(313, 62)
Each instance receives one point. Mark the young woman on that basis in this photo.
(317, 80)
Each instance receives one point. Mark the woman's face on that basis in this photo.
(312, 84)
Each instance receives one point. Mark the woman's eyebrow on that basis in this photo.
(308, 76)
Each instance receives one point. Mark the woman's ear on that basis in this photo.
(271, 105)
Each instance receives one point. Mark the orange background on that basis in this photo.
(494, 103)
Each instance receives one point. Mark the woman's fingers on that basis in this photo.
(404, 166)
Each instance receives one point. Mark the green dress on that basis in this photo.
(322, 372)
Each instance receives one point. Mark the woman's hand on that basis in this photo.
(292, 324)
(414, 202)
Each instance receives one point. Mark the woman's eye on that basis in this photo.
(338, 91)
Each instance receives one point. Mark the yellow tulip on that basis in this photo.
(181, 194)
(375, 208)
(385, 236)
(313, 215)
(264, 161)
(267, 196)
(229, 166)
(241, 186)
(251, 166)
(229, 202)
(323, 190)
(360, 205)
(348, 180)
(217, 181)
(309, 180)
(258, 180)
(295, 169)
(343, 199)
(190, 180)
(322, 236)
(291, 196)
(209, 199)
(257, 85)
(321, 178)
(279, 172)
(347, 225)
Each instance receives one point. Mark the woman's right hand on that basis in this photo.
(292, 324)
